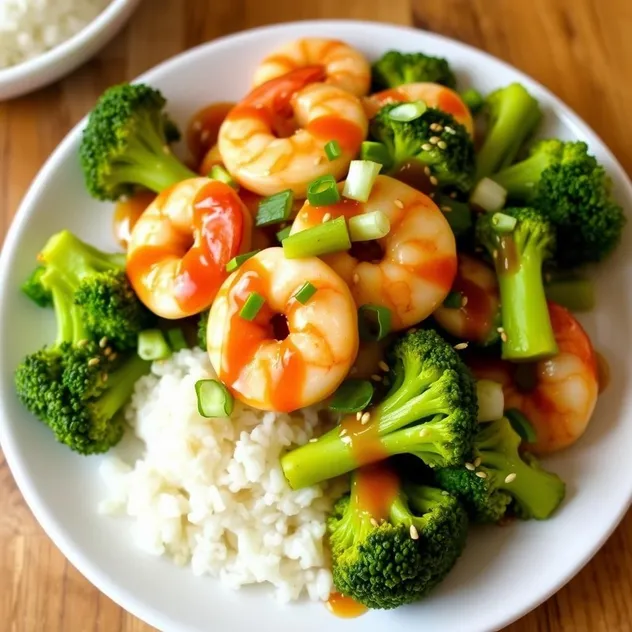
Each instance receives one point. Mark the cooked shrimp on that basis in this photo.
(345, 67)
(557, 395)
(180, 245)
(267, 152)
(292, 354)
(477, 317)
(433, 94)
(411, 270)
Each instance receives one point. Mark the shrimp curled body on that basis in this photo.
(557, 395)
(411, 270)
(275, 138)
(180, 245)
(292, 354)
(345, 67)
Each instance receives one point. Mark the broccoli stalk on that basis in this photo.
(386, 560)
(518, 256)
(513, 114)
(34, 289)
(510, 481)
(125, 144)
(430, 411)
(395, 69)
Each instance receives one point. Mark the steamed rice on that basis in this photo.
(211, 493)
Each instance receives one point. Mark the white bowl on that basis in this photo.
(64, 58)
(504, 572)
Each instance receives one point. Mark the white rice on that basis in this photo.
(29, 28)
(211, 493)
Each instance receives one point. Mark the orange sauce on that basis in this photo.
(374, 488)
(126, 215)
(204, 128)
(507, 258)
(603, 372)
(451, 103)
(313, 215)
(345, 607)
(327, 128)
(363, 439)
(479, 308)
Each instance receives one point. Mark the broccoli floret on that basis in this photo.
(34, 289)
(511, 483)
(512, 116)
(125, 144)
(474, 100)
(430, 411)
(571, 189)
(99, 285)
(74, 386)
(202, 326)
(435, 139)
(395, 69)
(519, 253)
(398, 556)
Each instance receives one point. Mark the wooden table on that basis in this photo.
(580, 49)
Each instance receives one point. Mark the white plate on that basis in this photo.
(64, 58)
(504, 572)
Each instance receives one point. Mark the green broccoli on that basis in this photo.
(503, 480)
(474, 100)
(395, 558)
(125, 144)
(520, 240)
(513, 114)
(34, 289)
(99, 285)
(572, 190)
(434, 139)
(74, 386)
(430, 411)
(395, 69)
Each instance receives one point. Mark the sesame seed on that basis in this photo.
(93, 361)
(398, 204)
(442, 144)
(103, 342)
(365, 418)
(376, 378)
(446, 209)
(383, 365)
(166, 150)
(481, 474)
(464, 301)
(503, 336)
(82, 343)
(460, 345)
(313, 440)
(495, 253)
(358, 415)
(499, 330)
(356, 278)
(434, 181)
(374, 522)
(318, 160)
(426, 146)
(434, 140)
(433, 127)
(510, 477)
(444, 493)
(477, 462)
(449, 130)
(197, 125)
(438, 127)
(470, 467)
(113, 357)
(453, 195)
(427, 170)
(326, 217)
(414, 534)
(107, 351)
(204, 136)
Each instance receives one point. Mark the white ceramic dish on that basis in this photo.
(504, 572)
(64, 58)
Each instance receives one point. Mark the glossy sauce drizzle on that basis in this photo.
(478, 309)
(345, 607)
(414, 174)
(126, 214)
(507, 255)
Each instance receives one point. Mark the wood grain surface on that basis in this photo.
(580, 49)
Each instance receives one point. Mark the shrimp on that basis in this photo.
(275, 138)
(557, 395)
(433, 94)
(345, 67)
(477, 317)
(411, 270)
(292, 354)
(179, 247)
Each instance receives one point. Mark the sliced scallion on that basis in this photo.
(453, 300)
(219, 173)
(521, 425)
(352, 396)
(275, 209)
(176, 339)
(323, 191)
(376, 152)
(368, 226)
(284, 233)
(152, 345)
(360, 179)
(488, 195)
(235, 262)
(504, 223)
(213, 399)
(332, 150)
(306, 291)
(319, 240)
(251, 306)
(491, 400)
(408, 111)
(374, 322)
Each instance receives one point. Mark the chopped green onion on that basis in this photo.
(368, 226)
(578, 294)
(235, 262)
(375, 152)
(374, 322)
(275, 209)
(408, 111)
(521, 425)
(504, 223)
(453, 300)
(491, 400)
(332, 150)
(323, 191)
(488, 195)
(360, 179)
(284, 233)
(152, 345)
(352, 396)
(213, 399)
(306, 292)
(219, 173)
(176, 339)
(252, 305)
(319, 240)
